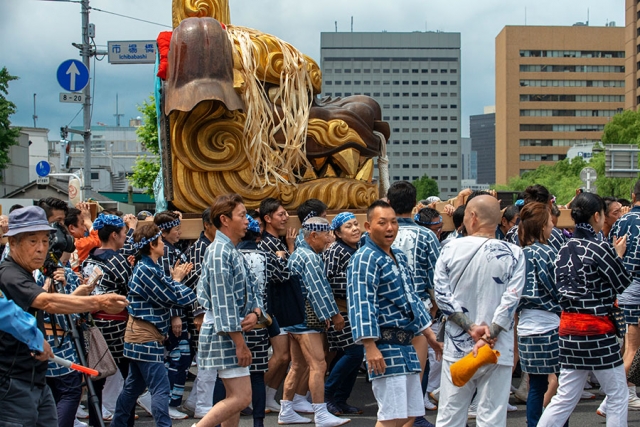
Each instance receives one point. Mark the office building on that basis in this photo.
(632, 51)
(468, 160)
(483, 142)
(415, 77)
(555, 86)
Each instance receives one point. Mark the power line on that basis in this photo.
(126, 16)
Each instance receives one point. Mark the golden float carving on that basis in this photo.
(211, 148)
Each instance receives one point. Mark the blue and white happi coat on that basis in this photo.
(336, 260)
(381, 294)
(556, 240)
(226, 292)
(152, 295)
(540, 292)
(309, 268)
(482, 278)
(629, 225)
(422, 249)
(589, 276)
(65, 348)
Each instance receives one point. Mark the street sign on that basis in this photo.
(588, 174)
(77, 98)
(43, 168)
(73, 75)
(42, 180)
(132, 52)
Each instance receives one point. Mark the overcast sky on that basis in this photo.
(37, 35)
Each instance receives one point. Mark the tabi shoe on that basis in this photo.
(349, 409)
(634, 400)
(511, 408)
(522, 392)
(301, 404)
(333, 408)
(288, 416)
(81, 413)
(323, 418)
(428, 405)
(144, 401)
(174, 414)
(271, 405)
(435, 395)
(587, 395)
(422, 422)
(78, 423)
(473, 410)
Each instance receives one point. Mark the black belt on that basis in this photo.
(395, 336)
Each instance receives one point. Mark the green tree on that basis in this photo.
(8, 135)
(426, 187)
(146, 168)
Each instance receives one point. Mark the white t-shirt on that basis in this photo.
(535, 322)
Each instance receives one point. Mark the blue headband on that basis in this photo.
(316, 227)
(416, 218)
(519, 203)
(104, 219)
(340, 219)
(310, 215)
(169, 225)
(253, 224)
(144, 242)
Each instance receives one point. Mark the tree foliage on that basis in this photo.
(146, 168)
(8, 135)
(426, 187)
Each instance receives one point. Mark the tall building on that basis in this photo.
(468, 160)
(415, 77)
(555, 86)
(632, 51)
(483, 141)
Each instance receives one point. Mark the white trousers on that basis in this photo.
(493, 383)
(112, 388)
(201, 396)
(570, 385)
(435, 366)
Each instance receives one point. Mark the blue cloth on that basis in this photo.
(336, 260)
(309, 268)
(253, 224)
(629, 225)
(339, 220)
(226, 292)
(381, 294)
(143, 375)
(556, 240)
(540, 292)
(151, 296)
(20, 324)
(422, 249)
(105, 219)
(344, 373)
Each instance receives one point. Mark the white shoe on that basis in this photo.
(587, 395)
(634, 400)
(200, 415)
(186, 404)
(428, 405)
(81, 413)
(106, 415)
(473, 411)
(324, 418)
(144, 401)
(301, 404)
(271, 405)
(78, 423)
(602, 409)
(435, 394)
(288, 416)
(174, 414)
(511, 408)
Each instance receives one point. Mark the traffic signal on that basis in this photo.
(65, 158)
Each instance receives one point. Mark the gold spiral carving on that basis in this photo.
(336, 193)
(209, 138)
(333, 134)
(217, 9)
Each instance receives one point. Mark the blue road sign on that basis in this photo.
(43, 168)
(73, 75)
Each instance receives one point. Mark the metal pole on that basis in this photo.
(86, 121)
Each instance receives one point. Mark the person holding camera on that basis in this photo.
(25, 397)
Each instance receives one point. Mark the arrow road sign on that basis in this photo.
(43, 168)
(73, 75)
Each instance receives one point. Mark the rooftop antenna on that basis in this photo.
(116, 115)
(587, 17)
(336, 26)
(352, 24)
(525, 16)
(35, 116)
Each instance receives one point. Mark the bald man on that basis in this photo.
(478, 283)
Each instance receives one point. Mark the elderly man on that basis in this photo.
(25, 398)
(386, 314)
(478, 283)
(227, 294)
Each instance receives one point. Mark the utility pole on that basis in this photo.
(35, 116)
(85, 52)
(117, 115)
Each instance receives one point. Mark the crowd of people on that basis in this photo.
(258, 306)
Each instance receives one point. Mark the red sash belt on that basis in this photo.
(585, 324)
(101, 315)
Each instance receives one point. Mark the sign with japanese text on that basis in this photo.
(132, 52)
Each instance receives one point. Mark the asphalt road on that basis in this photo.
(584, 415)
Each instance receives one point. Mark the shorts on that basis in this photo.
(234, 372)
(631, 314)
(399, 397)
(301, 328)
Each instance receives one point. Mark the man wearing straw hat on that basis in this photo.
(24, 395)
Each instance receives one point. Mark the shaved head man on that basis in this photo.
(478, 282)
